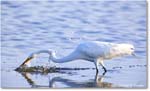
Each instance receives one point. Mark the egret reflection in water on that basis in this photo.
(96, 81)
(66, 77)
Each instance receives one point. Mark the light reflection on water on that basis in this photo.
(28, 26)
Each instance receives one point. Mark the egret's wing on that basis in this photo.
(93, 49)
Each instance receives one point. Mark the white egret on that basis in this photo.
(93, 51)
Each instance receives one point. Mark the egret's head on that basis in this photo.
(35, 54)
(126, 49)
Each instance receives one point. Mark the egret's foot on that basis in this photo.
(104, 69)
(104, 72)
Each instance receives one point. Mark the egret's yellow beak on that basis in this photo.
(26, 61)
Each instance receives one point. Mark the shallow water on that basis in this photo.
(28, 26)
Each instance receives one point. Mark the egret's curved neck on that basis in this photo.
(70, 57)
(73, 56)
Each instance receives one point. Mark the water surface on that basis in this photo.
(28, 26)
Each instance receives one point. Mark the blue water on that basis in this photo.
(28, 26)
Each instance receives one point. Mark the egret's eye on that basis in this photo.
(132, 48)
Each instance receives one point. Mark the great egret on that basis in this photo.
(93, 51)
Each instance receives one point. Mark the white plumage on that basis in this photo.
(93, 51)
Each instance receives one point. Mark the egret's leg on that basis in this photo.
(96, 65)
(102, 64)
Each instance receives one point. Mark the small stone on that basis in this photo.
(130, 66)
